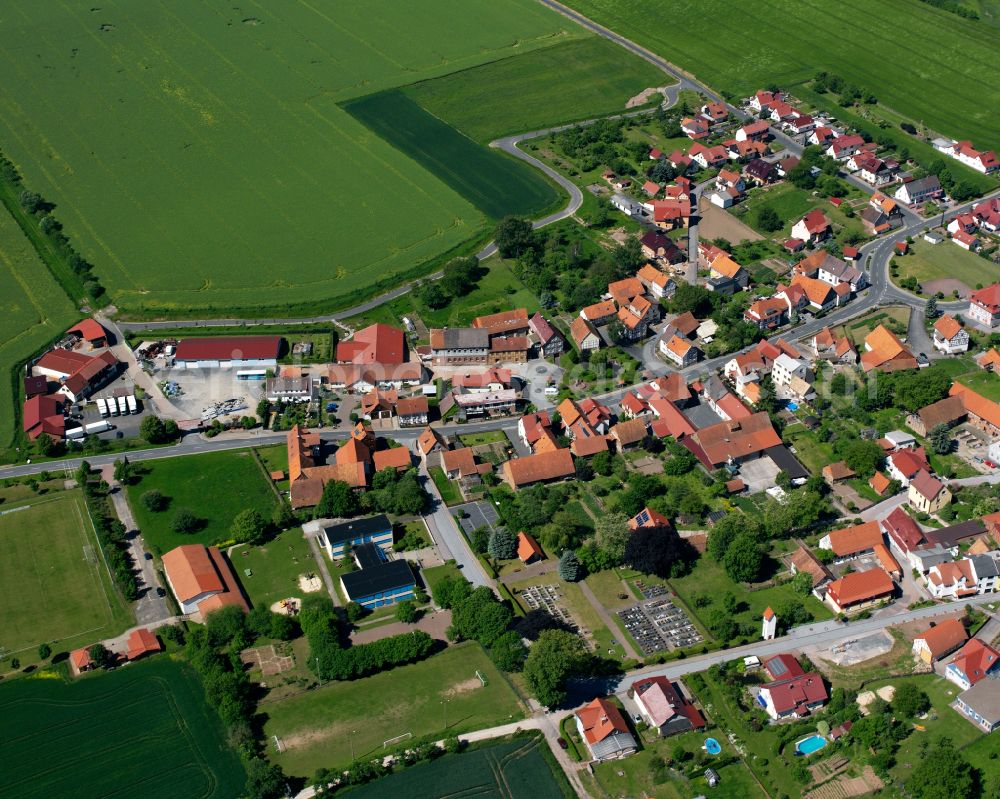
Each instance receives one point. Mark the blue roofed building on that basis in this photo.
(339, 537)
(379, 581)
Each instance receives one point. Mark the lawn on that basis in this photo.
(54, 585)
(813, 453)
(435, 574)
(786, 42)
(275, 567)
(319, 728)
(707, 579)
(35, 311)
(518, 769)
(265, 189)
(736, 782)
(489, 437)
(946, 260)
(985, 383)
(791, 204)
(857, 329)
(448, 489)
(275, 459)
(215, 486)
(156, 735)
(514, 95)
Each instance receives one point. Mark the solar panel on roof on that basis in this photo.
(777, 667)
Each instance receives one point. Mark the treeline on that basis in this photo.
(458, 278)
(391, 492)
(213, 650)
(34, 215)
(331, 661)
(954, 8)
(849, 93)
(110, 534)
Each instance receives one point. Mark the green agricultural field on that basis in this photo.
(787, 42)
(54, 586)
(518, 769)
(317, 729)
(35, 310)
(211, 168)
(946, 260)
(144, 729)
(215, 486)
(516, 94)
(274, 567)
(494, 182)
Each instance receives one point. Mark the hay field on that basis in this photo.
(921, 61)
(54, 586)
(141, 731)
(199, 158)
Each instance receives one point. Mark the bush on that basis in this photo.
(186, 522)
(155, 501)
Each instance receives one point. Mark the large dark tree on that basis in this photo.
(659, 551)
(942, 773)
(514, 236)
(338, 501)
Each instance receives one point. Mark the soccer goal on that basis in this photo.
(88, 554)
(482, 679)
(279, 747)
(398, 739)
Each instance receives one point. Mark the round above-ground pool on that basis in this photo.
(809, 745)
(712, 746)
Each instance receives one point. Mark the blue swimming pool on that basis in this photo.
(792, 406)
(811, 744)
(712, 746)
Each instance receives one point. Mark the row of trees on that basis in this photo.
(391, 492)
(110, 534)
(329, 660)
(459, 277)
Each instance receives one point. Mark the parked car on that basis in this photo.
(562, 743)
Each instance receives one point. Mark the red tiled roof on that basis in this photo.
(859, 538)
(600, 719)
(394, 458)
(901, 527)
(527, 547)
(376, 343)
(141, 642)
(860, 587)
(226, 347)
(89, 330)
(975, 660)
(944, 637)
(788, 694)
(540, 466)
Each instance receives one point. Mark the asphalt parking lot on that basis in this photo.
(478, 514)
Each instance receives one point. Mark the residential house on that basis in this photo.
(43, 415)
(903, 532)
(760, 172)
(670, 214)
(981, 705)
(730, 179)
(659, 284)
(379, 404)
(987, 214)
(905, 464)
(873, 170)
(651, 189)
(202, 580)
(792, 697)
(724, 198)
(589, 410)
(549, 341)
(967, 241)
(754, 131)
(488, 403)
(764, 101)
(649, 518)
(600, 313)
(375, 344)
(981, 412)
(852, 542)
(397, 458)
(963, 578)
(859, 590)
(818, 295)
(917, 192)
(939, 641)
(412, 411)
(974, 662)
(492, 379)
(726, 276)
(584, 334)
(682, 164)
(307, 478)
(982, 161)
(629, 433)
(927, 494)
(695, 128)
(813, 228)
(734, 441)
(788, 372)
(881, 215)
(541, 467)
(835, 272)
(715, 112)
(431, 445)
(802, 560)
(605, 731)
(533, 427)
(949, 335)
(984, 306)
(289, 389)
(79, 375)
(821, 135)
(707, 157)
(679, 351)
(884, 352)
(966, 223)
(843, 147)
(989, 361)
(662, 247)
(745, 150)
(799, 125)
(663, 706)
(838, 472)
(767, 314)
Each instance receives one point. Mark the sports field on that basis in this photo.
(54, 586)
(317, 729)
(33, 311)
(511, 770)
(141, 731)
(946, 261)
(570, 81)
(215, 486)
(740, 47)
(209, 165)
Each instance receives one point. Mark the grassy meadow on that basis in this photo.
(927, 262)
(317, 728)
(35, 311)
(54, 586)
(143, 729)
(747, 46)
(214, 486)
